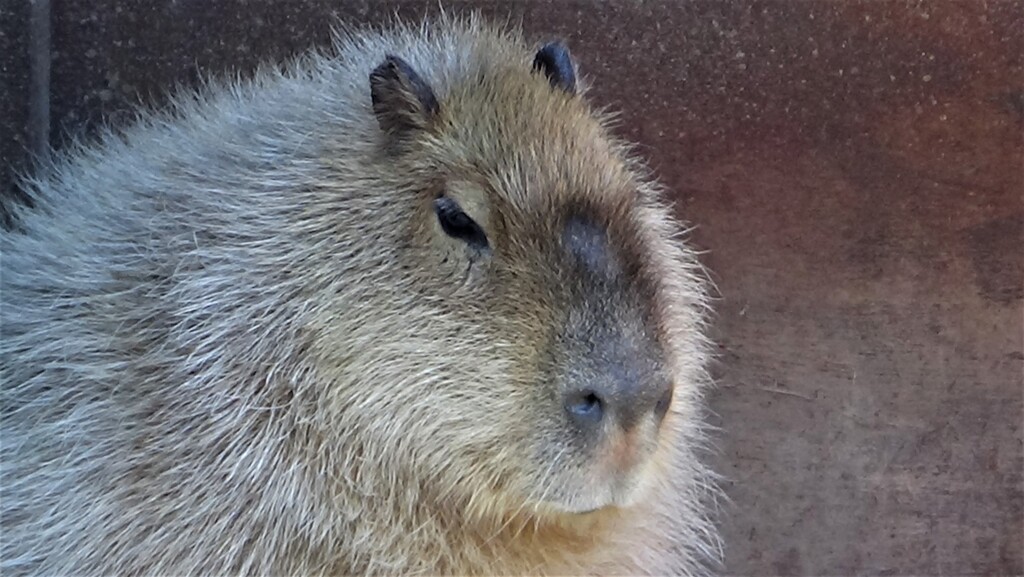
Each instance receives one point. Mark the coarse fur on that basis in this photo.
(235, 339)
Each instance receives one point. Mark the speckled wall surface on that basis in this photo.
(855, 171)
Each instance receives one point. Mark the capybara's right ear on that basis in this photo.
(557, 64)
(402, 100)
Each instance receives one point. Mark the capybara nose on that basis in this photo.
(585, 408)
(624, 404)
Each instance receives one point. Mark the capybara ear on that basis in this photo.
(557, 64)
(402, 100)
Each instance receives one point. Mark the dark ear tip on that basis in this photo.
(557, 46)
(556, 62)
(387, 69)
(384, 71)
(401, 98)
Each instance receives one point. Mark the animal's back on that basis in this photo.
(164, 309)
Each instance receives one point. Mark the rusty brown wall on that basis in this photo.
(855, 171)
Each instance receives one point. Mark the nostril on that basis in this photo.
(585, 406)
(661, 407)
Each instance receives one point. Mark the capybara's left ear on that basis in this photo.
(402, 99)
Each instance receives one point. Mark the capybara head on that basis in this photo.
(538, 314)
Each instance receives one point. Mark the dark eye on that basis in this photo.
(457, 223)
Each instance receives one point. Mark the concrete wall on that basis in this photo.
(855, 170)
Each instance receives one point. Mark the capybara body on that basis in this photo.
(405, 306)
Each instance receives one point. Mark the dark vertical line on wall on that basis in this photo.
(39, 79)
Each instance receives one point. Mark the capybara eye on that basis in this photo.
(457, 224)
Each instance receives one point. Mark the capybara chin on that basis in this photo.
(405, 306)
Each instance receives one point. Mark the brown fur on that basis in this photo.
(236, 339)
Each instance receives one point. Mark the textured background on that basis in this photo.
(855, 170)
